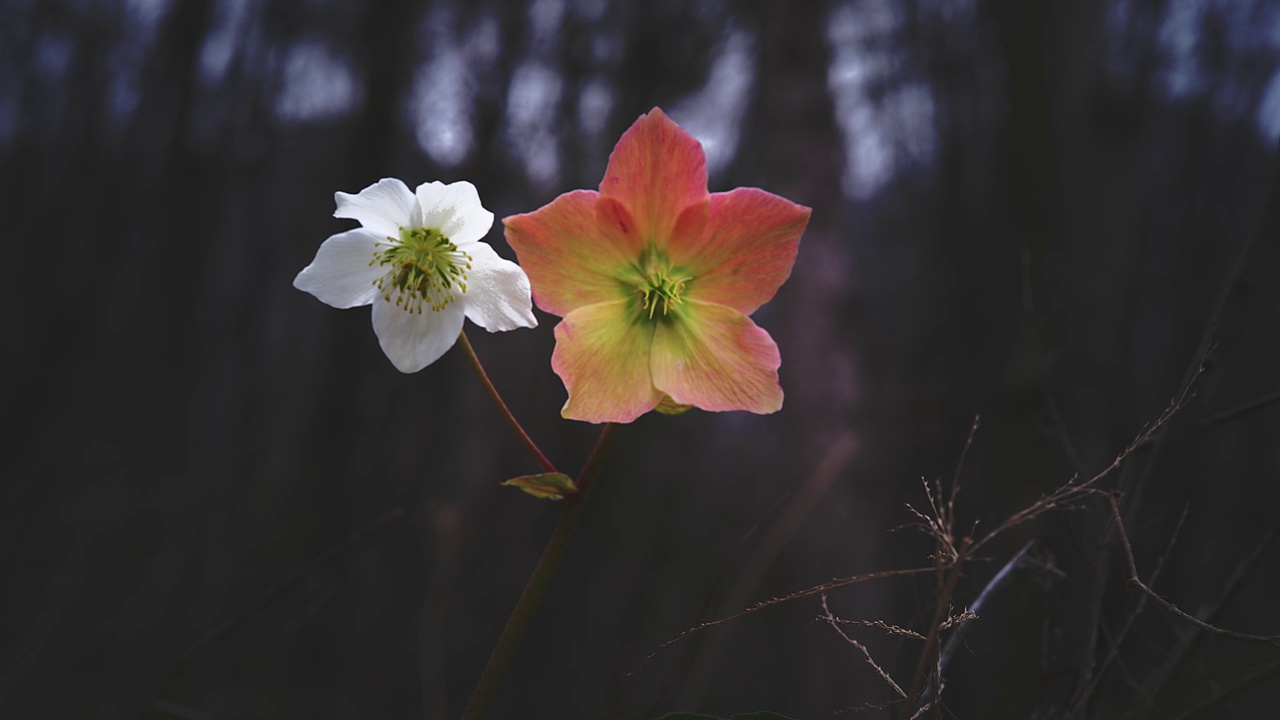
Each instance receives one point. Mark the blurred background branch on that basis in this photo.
(1024, 210)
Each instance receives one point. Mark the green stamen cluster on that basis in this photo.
(425, 268)
(662, 287)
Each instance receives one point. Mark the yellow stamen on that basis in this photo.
(661, 287)
(424, 268)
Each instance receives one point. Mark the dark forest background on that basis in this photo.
(1046, 213)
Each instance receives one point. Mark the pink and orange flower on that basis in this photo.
(654, 278)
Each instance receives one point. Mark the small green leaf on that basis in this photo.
(548, 486)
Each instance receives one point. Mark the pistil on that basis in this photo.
(423, 268)
(662, 287)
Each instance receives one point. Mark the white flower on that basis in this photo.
(418, 259)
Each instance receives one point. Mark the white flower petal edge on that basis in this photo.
(383, 207)
(505, 302)
(400, 230)
(341, 275)
(455, 210)
(413, 341)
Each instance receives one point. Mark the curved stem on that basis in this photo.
(539, 581)
(512, 423)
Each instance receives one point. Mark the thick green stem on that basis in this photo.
(527, 606)
(512, 423)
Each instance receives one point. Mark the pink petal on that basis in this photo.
(656, 170)
(746, 250)
(715, 358)
(573, 252)
(603, 359)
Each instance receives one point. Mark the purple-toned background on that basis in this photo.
(1032, 211)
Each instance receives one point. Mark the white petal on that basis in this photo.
(455, 210)
(413, 341)
(383, 207)
(497, 296)
(340, 275)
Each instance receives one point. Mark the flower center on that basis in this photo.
(660, 287)
(423, 268)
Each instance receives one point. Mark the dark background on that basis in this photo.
(1040, 212)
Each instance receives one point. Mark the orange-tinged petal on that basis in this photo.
(603, 359)
(715, 358)
(572, 252)
(691, 224)
(656, 170)
(746, 250)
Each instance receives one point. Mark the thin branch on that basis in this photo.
(964, 453)
(1240, 687)
(516, 429)
(1243, 409)
(1114, 652)
(868, 706)
(807, 592)
(1065, 495)
(1273, 640)
(1192, 636)
(877, 624)
(1266, 226)
(676, 665)
(833, 621)
(789, 522)
(1046, 392)
(940, 613)
(997, 581)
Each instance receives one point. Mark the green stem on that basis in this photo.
(527, 606)
(512, 423)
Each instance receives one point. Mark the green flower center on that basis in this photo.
(661, 288)
(423, 268)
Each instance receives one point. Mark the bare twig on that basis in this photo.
(834, 622)
(996, 582)
(1065, 496)
(964, 453)
(928, 654)
(1114, 652)
(676, 665)
(1192, 637)
(1267, 226)
(807, 592)
(958, 619)
(878, 624)
(1242, 409)
(1150, 436)
(1242, 686)
(789, 522)
(1273, 640)
(868, 706)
